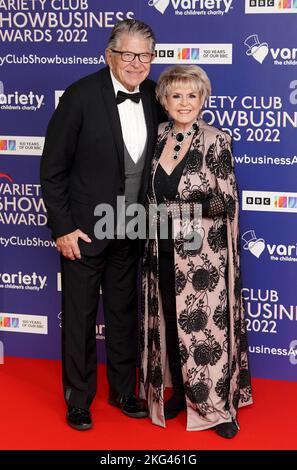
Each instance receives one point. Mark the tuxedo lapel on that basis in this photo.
(113, 115)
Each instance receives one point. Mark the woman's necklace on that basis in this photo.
(180, 137)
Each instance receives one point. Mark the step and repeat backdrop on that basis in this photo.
(249, 50)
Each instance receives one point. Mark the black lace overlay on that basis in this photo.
(193, 320)
(223, 384)
(217, 237)
(211, 328)
(194, 162)
(180, 280)
(219, 159)
(184, 355)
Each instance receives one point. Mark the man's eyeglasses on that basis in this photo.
(126, 56)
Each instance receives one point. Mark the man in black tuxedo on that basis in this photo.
(99, 146)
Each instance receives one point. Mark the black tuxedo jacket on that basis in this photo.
(83, 159)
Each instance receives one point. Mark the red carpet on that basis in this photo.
(33, 417)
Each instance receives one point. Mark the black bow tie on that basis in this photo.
(122, 96)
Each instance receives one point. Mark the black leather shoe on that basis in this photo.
(174, 406)
(129, 405)
(227, 430)
(79, 418)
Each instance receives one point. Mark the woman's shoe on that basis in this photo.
(227, 430)
(174, 406)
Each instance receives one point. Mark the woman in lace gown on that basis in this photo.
(193, 329)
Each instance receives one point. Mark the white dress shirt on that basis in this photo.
(132, 122)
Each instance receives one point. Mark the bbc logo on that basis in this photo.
(262, 3)
(259, 201)
(165, 53)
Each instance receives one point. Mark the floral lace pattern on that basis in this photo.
(211, 326)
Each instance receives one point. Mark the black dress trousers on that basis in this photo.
(115, 269)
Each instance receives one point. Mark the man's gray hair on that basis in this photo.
(131, 26)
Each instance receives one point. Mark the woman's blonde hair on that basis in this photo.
(183, 75)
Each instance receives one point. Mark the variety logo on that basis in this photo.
(160, 5)
(19, 323)
(260, 50)
(17, 101)
(21, 281)
(193, 7)
(277, 252)
(255, 49)
(271, 6)
(254, 245)
(269, 201)
(17, 145)
(193, 54)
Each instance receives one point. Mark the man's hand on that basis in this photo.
(68, 246)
